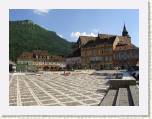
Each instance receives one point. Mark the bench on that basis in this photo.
(134, 90)
(122, 97)
(110, 98)
(123, 91)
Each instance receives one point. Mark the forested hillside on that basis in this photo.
(27, 36)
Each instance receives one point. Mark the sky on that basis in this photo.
(71, 23)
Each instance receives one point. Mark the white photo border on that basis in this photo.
(142, 109)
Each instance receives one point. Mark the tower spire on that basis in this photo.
(124, 32)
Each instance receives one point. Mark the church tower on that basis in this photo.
(124, 32)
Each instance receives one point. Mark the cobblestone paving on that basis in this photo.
(55, 89)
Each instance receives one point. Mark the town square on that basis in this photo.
(55, 89)
(80, 88)
(96, 69)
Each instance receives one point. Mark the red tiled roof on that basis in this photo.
(39, 52)
(26, 55)
(30, 56)
(101, 40)
(105, 36)
(124, 47)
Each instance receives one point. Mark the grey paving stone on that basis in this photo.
(25, 94)
(72, 104)
(27, 100)
(94, 105)
(44, 98)
(75, 95)
(42, 95)
(22, 96)
(59, 96)
(88, 93)
(12, 104)
(13, 97)
(29, 104)
(55, 93)
(65, 100)
(81, 98)
(12, 101)
(90, 101)
(48, 102)
(52, 105)
(95, 96)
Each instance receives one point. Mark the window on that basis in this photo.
(101, 51)
(110, 58)
(106, 58)
(110, 50)
(98, 52)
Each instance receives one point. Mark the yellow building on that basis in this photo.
(98, 54)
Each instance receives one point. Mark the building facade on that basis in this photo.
(73, 62)
(125, 56)
(107, 51)
(97, 54)
(39, 60)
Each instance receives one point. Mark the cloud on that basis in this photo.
(75, 35)
(60, 35)
(45, 27)
(96, 30)
(41, 11)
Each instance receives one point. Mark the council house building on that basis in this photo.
(107, 51)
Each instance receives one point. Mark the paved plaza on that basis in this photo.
(56, 89)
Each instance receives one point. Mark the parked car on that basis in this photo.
(130, 70)
(135, 74)
(134, 71)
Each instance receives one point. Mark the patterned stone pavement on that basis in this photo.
(55, 89)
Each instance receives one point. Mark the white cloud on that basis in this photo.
(45, 27)
(75, 35)
(96, 30)
(60, 35)
(41, 11)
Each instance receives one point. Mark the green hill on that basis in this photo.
(26, 36)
